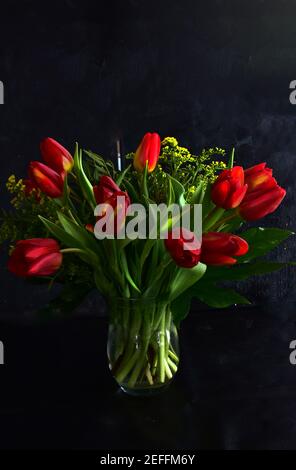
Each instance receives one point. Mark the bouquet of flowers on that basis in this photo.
(149, 237)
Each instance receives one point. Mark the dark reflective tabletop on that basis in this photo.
(235, 390)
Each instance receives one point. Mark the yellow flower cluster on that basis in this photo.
(13, 185)
(172, 151)
(16, 186)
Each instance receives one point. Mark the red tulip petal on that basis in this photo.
(147, 151)
(220, 193)
(154, 149)
(215, 259)
(29, 253)
(105, 189)
(55, 155)
(45, 265)
(237, 246)
(47, 180)
(254, 169)
(237, 173)
(259, 205)
(235, 198)
(217, 241)
(46, 242)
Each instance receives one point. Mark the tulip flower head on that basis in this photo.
(105, 189)
(229, 188)
(263, 196)
(55, 155)
(46, 179)
(35, 257)
(116, 202)
(219, 248)
(183, 247)
(148, 151)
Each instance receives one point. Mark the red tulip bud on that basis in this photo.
(185, 250)
(46, 179)
(148, 151)
(229, 188)
(263, 196)
(35, 257)
(55, 155)
(219, 248)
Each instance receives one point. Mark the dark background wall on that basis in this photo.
(212, 73)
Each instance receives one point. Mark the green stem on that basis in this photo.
(139, 366)
(223, 221)
(168, 370)
(120, 376)
(172, 365)
(71, 250)
(129, 355)
(231, 160)
(146, 357)
(212, 218)
(162, 350)
(145, 339)
(173, 356)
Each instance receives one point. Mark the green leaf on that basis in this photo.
(171, 194)
(59, 233)
(178, 190)
(101, 166)
(146, 251)
(71, 241)
(217, 297)
(185, 278)
(207, 204)
(127, 273)
(154, 273)
(198, 195)
(180, 308)
(262, 240)
(84, 182)
(80, 234)
(131, 191)
(122, 175)
(231, 226)
(103, 285)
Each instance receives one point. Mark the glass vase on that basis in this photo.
(143, 346)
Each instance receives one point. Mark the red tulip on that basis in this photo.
(35, 257)
(185, 250)
(47, 180)
(105, 189)
(107, 193)
(148, 151)
(219, 248)
(229, 188)
(263, 196)
(55, 155)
